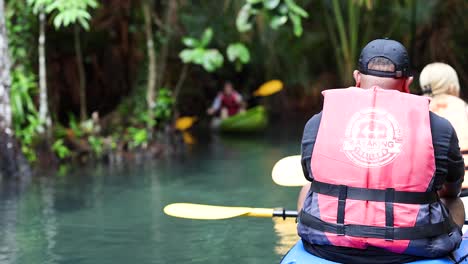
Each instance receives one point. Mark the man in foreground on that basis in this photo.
(378, 162)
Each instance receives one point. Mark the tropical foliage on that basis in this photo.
(23, 79)
(238, 54)
(66, 12)
(198, 53)
(309, 45)
(277, 12)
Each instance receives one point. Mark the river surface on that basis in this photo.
(102, 214)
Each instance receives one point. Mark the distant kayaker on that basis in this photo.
(386, 173)
(440, 81)
(228, 102)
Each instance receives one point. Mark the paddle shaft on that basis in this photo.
(284, 213)
(264, 212)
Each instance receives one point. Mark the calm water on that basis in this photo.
(114, 215)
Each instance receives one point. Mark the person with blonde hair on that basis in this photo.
(440, 81)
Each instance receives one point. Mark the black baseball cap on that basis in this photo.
(389, 49)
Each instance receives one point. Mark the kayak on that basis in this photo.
(298, 255)
(254, 119)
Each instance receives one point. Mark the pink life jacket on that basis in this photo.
(373, 167)
(230, 102)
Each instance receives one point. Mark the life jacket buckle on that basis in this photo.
(340, 229)
(389, 233)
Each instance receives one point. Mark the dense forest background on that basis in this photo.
(92, 77)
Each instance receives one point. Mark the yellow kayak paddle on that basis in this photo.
(184, 123)
(269, 88)
(288, 172)
(212, 212)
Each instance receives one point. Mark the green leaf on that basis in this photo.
(186, 55)
(49, 8)
(92, 3)
(84, 23)
(67, 11)
(197, 55)
(232, 52)
(242, 20)
(18, 107)
(278, 21)
(190, 42)
(58, 20)
(60, 149)
(254, 1)
(297, 25)
(38, 5)
(138, 136)
(271, 4)
(238, 51)
(82, 13)
(66, 18)
(206, 37)
(96, 144)
(212, 60)
(294, 8)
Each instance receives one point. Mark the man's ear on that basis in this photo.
(407, 84)
(357, 78)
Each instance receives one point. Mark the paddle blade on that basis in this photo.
(188, 138)
(288, 172)
(269, 88)
(211, 212)
(184, 123)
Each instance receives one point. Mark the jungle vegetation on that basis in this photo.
(86, 78)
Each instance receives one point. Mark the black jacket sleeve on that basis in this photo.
(456, 164)
(308, 142)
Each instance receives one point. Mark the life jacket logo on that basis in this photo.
(373, 138)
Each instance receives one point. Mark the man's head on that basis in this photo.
(384, 63)
(228, 88)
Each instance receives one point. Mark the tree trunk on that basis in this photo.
(43, 101)
(81, 74)
(170, 16)
(151, 90)
(178, 86)
(9, 157)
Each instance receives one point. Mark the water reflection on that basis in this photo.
(10, 192)
(100, 214)
(287, 234)
(9, 245)
(47, 192)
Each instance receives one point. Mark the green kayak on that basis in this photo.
(254, 119)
